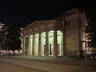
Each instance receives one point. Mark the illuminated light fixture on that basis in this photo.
(52, 31)
(21, 28)
(26, 36)
(43, 34)
(31, 35)
(36, 35)
(59, 32)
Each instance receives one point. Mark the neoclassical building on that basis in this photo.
(61, 36)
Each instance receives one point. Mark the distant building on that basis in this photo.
(1, 35)
(61, 36)
(1, 25)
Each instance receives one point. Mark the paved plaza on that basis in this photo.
(44, 65)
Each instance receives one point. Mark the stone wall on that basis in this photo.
(72, 33)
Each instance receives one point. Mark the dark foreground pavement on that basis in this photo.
(51, 64)
(7, 67)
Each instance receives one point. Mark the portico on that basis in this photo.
(55, 37)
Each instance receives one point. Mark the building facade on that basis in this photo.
(57, 37)
(1, 36)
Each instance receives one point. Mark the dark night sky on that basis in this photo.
(25, 11)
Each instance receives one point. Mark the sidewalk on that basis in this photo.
(48, 64)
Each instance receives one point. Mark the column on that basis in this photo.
(23, 46)
(26, 45)
(55, 43)
(64, 35)
(28, 50)
(64, 48)
(46, 46)
(33, 45)
(39, 45)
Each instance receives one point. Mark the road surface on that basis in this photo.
(11, 64)
(7, 67)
